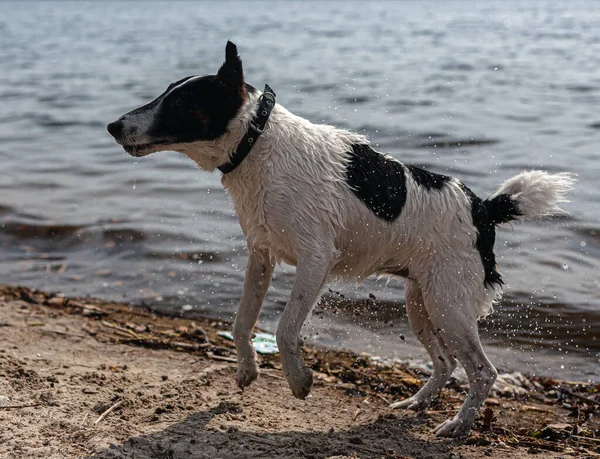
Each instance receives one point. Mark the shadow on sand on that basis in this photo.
(389, 437)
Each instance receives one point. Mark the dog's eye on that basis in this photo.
(182, 99)
(178, 102)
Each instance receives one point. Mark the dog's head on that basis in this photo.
(193, 109)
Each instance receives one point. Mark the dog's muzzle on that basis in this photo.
(124, 134)
(116, 128)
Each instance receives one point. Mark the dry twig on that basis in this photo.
(221, 358)
(62, 333)
(270, 375)
(18, 407)
(580, 397)
(108, 411)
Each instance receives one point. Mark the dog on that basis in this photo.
(322, 199)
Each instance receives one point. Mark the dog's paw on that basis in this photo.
(246, 375)
(454, 428)
(413, 403)
(301, 383)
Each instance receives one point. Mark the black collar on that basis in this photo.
(257, 126)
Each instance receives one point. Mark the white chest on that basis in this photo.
(264, 227)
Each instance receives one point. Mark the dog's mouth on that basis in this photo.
(138, 149)
(142, 149)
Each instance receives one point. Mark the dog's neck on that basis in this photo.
(212, 154)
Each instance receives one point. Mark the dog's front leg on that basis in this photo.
(256, 283)
(311, 273)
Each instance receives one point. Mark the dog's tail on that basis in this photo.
(528, 195)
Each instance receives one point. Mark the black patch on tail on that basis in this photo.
(502, 209)
(377, 181)
(427, 179)
(486, 237)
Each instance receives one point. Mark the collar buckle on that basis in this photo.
(268, 96)
(255, 128)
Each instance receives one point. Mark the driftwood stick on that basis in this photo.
(108, 411)
(127, 331)
(582, 439)
(62, 333)
(271, 375)
(18, 407)
(221, 358)
(580, 397)
(381, 397)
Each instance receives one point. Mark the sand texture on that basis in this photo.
(89, 379)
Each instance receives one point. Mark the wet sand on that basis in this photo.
(87, 378)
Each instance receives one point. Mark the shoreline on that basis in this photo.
(90, 378)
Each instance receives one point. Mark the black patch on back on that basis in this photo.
(377, 181)
(427, 179)
(486, 237)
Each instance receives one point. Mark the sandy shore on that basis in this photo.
(85, 378)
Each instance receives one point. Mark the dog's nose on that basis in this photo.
(115, 128)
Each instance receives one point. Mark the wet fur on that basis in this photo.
(309, 195)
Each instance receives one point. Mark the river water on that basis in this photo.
(477, 90)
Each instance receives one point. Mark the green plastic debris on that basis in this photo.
(264, 343)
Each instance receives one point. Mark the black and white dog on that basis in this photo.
(321, 199)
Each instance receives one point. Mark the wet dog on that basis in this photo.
(322, 199)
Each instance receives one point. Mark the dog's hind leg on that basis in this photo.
(443, 362)
(311, 273)
(256, 283)
(455, 320)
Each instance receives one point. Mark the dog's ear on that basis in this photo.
(231, 73)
